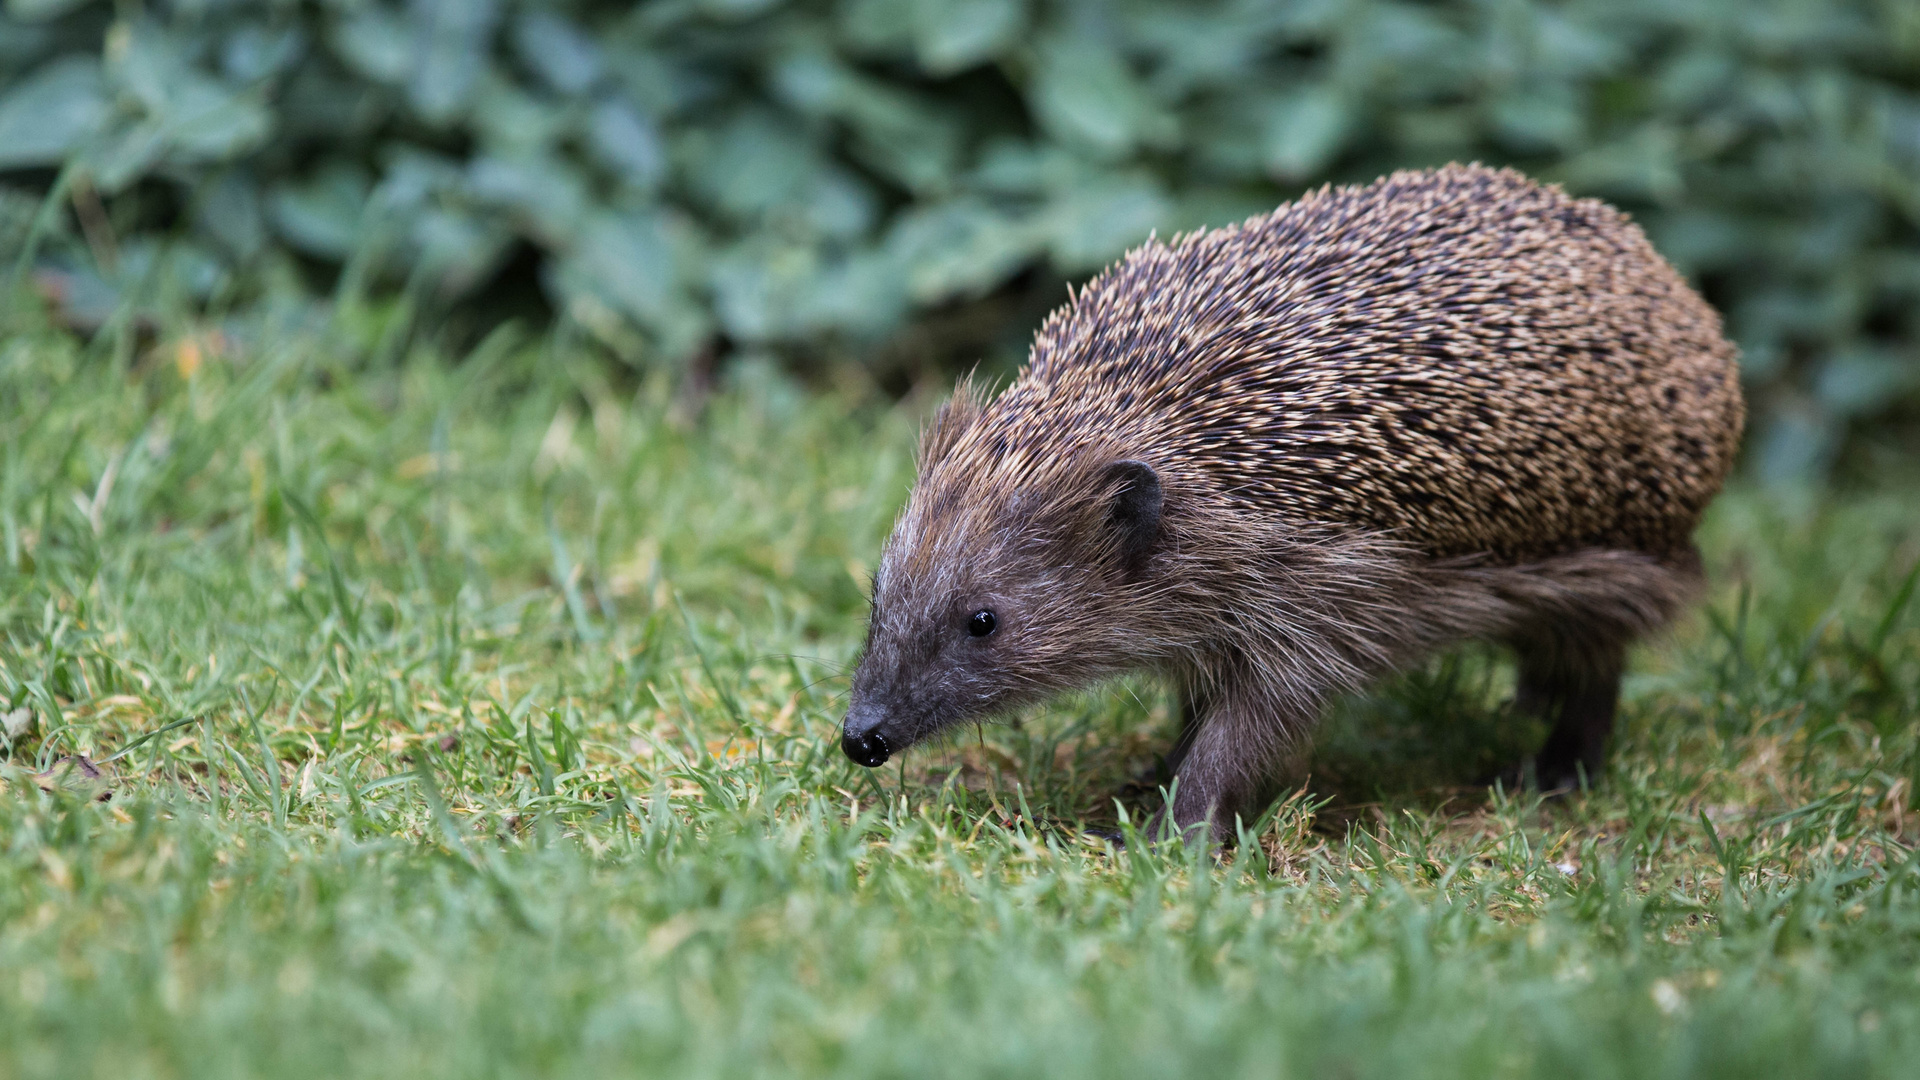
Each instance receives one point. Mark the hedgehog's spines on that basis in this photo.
(1447, 356)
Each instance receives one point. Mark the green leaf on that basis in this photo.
(633, 255)
(1863, 380)
(873, 25)
(1304, 131)
(42, 10)
(659, 82)
(414, 178)
(507, 120)
(458, 250)
(145, 62)
(545, 194)
(253, 53)
(737, 9)
(863, 293)
(958, 34)
(230, 213)
(627, 143)
(375, 43)
(1540, 117)
(1642, 164)
(1797, 444)
(1700, 239)
(23, 46)
(812, 81)
(632, 265)
(759, 286)
(752, 164)
(196, 117)
(840, 204)
(899, 134)
(322, 217)
(1083, 92)
(209, 124)
(126, 154)
(1409, 42)
(1574, 47)
(558, 51)
(52, 114)
(1011, 166)
(960, 248)
(916, 145)
(1696, 77)
(1195, 47)
(451, 46)
(1091, 225)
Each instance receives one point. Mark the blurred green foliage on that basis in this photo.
(808, 178)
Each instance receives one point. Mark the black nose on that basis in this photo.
(868, 748)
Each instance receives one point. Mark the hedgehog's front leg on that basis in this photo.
(1230, 768)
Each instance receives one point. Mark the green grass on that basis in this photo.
(479, 719)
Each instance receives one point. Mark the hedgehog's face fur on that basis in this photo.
(998, 587)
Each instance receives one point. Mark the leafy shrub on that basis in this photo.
(806, 178)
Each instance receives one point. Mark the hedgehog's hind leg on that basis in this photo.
(1578, 614)
(1577, 691)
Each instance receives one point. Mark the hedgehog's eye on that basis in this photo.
(981, 624)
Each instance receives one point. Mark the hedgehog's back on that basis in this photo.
(1464, 358)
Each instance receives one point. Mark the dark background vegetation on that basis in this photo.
(901, 188)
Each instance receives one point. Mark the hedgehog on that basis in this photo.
(1277, 461)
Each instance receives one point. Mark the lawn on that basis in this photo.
(478, 718)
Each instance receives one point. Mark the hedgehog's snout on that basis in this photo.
(862, 740)
(865, 748)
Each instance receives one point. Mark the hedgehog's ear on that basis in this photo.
(1134, 512)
